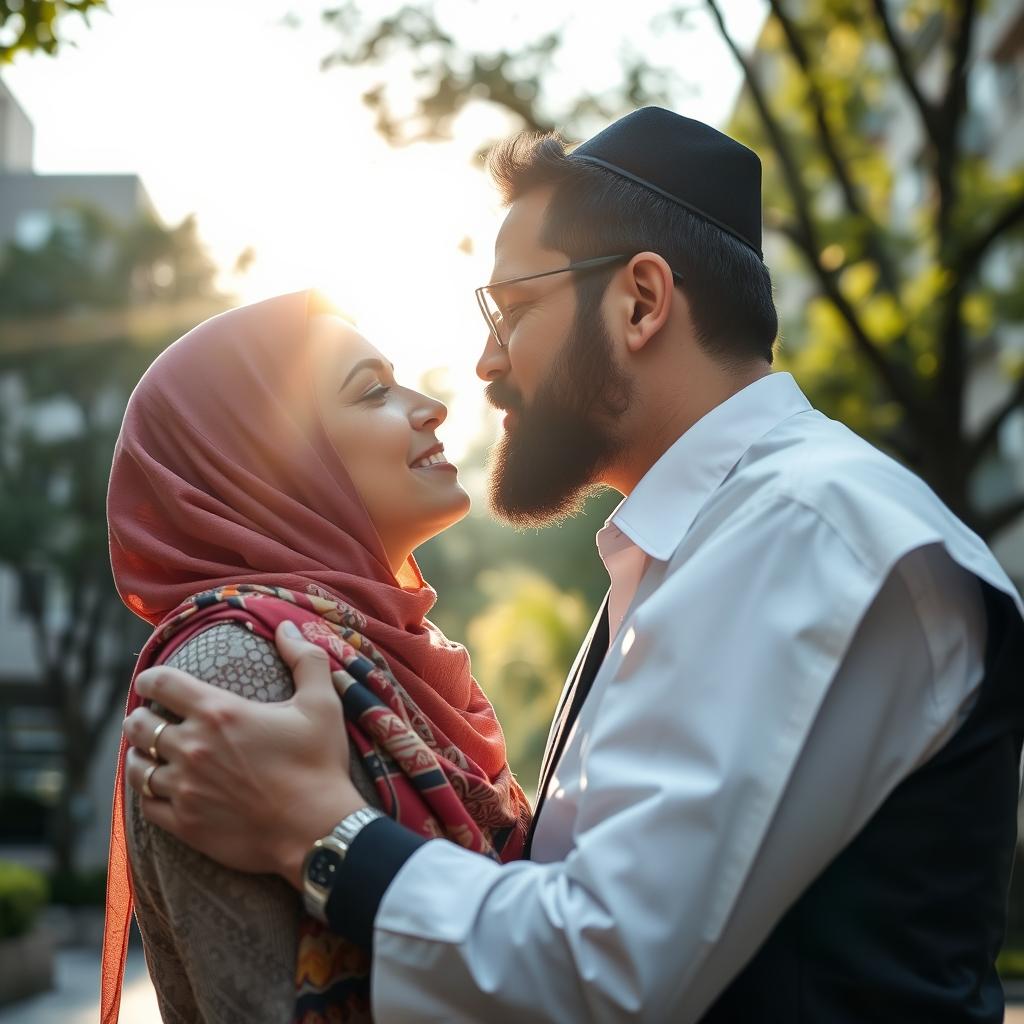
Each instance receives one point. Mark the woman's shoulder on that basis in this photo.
(228, 655)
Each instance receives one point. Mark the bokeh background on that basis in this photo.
(162, 160)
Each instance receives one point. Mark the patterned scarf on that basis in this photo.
(421, 779)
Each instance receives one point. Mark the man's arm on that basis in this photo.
(710, 800)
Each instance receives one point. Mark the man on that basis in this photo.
(782, 782)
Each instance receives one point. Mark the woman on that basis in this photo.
(270, 467)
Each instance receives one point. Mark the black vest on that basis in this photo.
(903, 927)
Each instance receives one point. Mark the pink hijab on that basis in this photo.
(224, 474)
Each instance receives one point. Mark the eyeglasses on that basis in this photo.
(496, 322)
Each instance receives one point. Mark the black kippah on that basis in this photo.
(688, 162)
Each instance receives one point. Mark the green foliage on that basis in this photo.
(895, 270)
(23, 893)
(522, 642)
(79, 888)
(28, 26)
(87, 261)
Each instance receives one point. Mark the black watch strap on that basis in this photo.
(376, 855)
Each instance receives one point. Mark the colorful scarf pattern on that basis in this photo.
(421, 778)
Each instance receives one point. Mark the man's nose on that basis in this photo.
(493, 361)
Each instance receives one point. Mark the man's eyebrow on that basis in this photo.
(370, 363)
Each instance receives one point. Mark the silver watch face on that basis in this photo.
(323, 867)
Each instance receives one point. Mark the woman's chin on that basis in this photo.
(460, 507)
(453, 512)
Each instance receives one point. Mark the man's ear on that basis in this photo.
(646, 299)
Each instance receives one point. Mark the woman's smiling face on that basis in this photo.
(385, 435)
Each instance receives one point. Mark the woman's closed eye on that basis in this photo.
(377, 393)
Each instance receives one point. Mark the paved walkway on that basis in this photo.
(76, 997)
(75, 1000)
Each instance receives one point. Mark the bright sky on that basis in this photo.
(221, 107)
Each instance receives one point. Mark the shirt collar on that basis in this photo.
(686, 476)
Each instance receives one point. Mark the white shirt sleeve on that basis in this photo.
(772, 696)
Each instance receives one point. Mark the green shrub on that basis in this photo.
(79, 888)
(23, 893)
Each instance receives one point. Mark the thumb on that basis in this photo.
(309, 664)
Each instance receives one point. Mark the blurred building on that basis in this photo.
(29, 202)
(31, 739)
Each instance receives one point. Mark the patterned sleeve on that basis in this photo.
(220, 944)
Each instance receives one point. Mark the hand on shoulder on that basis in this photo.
(251, 785)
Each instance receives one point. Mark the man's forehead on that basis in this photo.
(518, 244)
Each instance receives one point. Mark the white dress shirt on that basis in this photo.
(795, 627)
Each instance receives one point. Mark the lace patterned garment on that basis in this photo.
(220, 944)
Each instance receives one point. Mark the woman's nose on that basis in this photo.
(428, 413)
(493, 361)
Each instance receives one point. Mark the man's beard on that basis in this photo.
(544, 468)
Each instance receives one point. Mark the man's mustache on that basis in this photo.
(503, 397)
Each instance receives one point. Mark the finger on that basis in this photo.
(179, 692)
(140, 730)
(161, 813)
(310, 666)
(137, 772)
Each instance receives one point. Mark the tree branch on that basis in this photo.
(1011, 216)
(955, 102)
(806, 237)
(952, 109)
(952, 340)
(929, 115)
(873, 242)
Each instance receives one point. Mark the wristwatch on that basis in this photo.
(322, 863)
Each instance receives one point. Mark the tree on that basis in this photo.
(29, 26)
(89, 262)
(901, 313)
(64, 397)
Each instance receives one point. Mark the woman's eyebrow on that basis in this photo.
(364, 364)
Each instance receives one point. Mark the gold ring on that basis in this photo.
(156, 735)
(147, 790)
